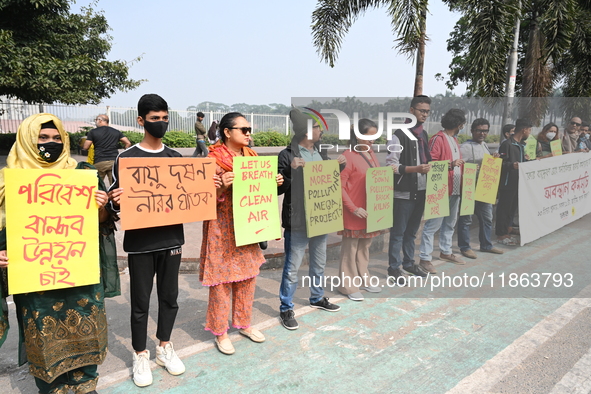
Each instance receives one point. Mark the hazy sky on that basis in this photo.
(261, 52)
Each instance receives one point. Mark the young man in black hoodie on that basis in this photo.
(153, 250)
(291, 162)
(512, 151)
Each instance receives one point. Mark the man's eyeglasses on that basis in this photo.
(575, 124)
(481, 131)
(245, 130)
(423, 111)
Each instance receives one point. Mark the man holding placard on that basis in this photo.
(512, 152)
(151, 251)
(473, 151)
(444, 146)
(292, 159)
(409, 159)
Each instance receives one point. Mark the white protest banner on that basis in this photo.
(553, 192)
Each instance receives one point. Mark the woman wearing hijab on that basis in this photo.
(230, 272)
(63, 333)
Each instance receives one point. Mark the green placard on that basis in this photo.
(556, 147)
(379, 187)
(468, 189)
(254, 200)
(323, 197)
(530, 147)
(437, 199)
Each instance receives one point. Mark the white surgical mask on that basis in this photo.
(550, 136)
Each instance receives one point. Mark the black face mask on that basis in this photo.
(50, 151)
(156, 129)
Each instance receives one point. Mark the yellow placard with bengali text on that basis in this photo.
(437, 196)
(52, 229)
(488, 179)
(556, 147)
(468, 187)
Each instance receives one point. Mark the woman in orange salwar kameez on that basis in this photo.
(230, 272)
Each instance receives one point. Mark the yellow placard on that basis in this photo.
(556, 147)
(323, 197)
(488, 179)
(437, 196)
(52, 229)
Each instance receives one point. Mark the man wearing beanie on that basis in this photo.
(292, 159)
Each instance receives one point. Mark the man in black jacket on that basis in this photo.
(512, 151)
(410, 160)
(292, 159)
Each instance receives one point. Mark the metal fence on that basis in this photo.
(80, 117)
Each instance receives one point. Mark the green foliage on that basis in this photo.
(48, 54)
(331, 139)
(178, 139)
(270, 138)
(492, 138)
(133, 136)
(75, 140)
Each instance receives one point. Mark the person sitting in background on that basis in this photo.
(548, 134)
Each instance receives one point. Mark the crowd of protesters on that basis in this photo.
(230, 272)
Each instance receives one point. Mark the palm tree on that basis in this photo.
(332, 19)
(554, 48)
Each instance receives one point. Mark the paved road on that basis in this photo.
(403, 341)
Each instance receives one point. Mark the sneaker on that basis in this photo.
(452, 258)
(396, 276)
(370, 289)
(507, 240)
(324, 304)
(427, 266)
(288, 320)
(469, 253)
(357, 296)
(142, 375)
(166, 357)
(415, 270)
(493, 250)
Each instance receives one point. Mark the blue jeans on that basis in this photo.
(484, 213)
(295, 247)
(407, 220)
(447, 225)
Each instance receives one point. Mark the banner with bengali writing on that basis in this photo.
(52, 229)
(163, 191)
(254, 200)
(323, 197)
(468, 188)
(437, 197)
(488, 179)
(553, 192)
(379, 188)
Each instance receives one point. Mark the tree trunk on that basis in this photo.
(421, 56)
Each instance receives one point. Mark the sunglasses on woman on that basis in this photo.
(245, 130)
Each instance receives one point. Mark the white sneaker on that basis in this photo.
(142, 375)
(166, 357)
